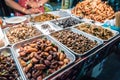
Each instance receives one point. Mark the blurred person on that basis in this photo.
(23, 7)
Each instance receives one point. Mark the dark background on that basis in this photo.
(4, 9)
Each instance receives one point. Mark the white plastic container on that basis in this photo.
(2, 43)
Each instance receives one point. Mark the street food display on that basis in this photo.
(43, 45)
(40, 58)
(8, 69)
(77, 43)
(67, 22)
(95, 30)
(21, 32)
(44, 17)
(93, 9)
(47, 28)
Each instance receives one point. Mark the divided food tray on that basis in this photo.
(115, 33)
(60, 48)
(90, 37)
(60, 14)
(66, 22)
(9, 52)
(8, 41)
(47, 27)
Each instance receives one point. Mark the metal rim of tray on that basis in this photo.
(44, 36)
(85, 35)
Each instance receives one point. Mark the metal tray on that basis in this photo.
(60, 13)
(68, 54)
(55, 13)
(67, 10)
(10, 52)
(115, 33)
(60, 19)
(7, 40)
(99, 41)
(46, 31)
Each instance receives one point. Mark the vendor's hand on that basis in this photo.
(32, 11)
(32, 4)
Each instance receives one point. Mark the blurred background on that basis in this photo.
(53, 5)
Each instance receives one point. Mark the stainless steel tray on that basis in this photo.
(7, 40)
(115, 33)
(55, 13)
(10, 52)
(46, 31)
(57, 21)
(61, 48)
(60, 13)
(99, 41)
(67, 10)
